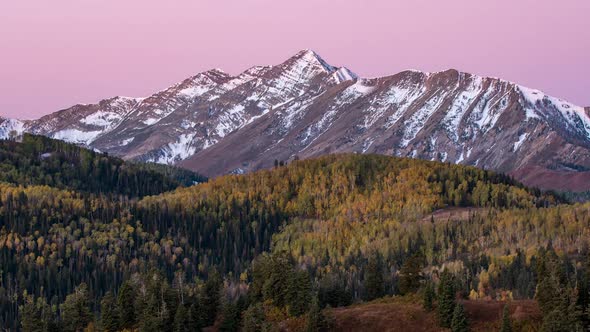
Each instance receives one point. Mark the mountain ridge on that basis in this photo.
(216, 123)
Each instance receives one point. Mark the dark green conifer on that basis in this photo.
(459, 322)
(506, 323)
(446, 299)
(374, 283)
(109, 313)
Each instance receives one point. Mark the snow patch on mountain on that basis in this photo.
(101, 119)
(8, 126)
(77, 136)
(343, 74)
(460, 106)
(177, 151)
(418, 120)
(402, 98)
(521, 140)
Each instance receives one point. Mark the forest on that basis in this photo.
(91, 242)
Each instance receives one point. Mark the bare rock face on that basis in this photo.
(216, 123)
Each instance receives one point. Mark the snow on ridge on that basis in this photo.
(403, 97)
(312, 58)
(230, 120)
(418, 120)
(77, 136)
(521, 140)
(488, 110)
(344, 74)
(461, 103)
(10, 125)
(101, 119)
(575, 116)
(179, 150)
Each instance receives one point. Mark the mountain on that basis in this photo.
(216, 123)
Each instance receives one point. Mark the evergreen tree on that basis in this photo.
(75, 311)
(126, 306)
(446, 299)
(506, 322)
(564, 317)
(548, 293)
(109, 313)
(459, 322)
(195, 316)
(316, 321)
(410, 275)
(298, 293)
(254, 319)
(30, 318)
(181, 320)
(428, 297)
(230, 318)
(211, 297)
(374, 284)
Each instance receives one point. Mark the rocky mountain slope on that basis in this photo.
(216, 123)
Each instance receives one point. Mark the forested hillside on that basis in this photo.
(38, 160)
(254, 251)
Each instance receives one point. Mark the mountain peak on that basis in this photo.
(311, 57)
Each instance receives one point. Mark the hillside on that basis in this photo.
(405, 314)
(37, 160)
(216, 123)
(274, 247)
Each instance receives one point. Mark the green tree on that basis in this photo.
(30, 316)
(506, 322)
(298, 293)
(459, 322)
(196, 316)
(126, 305)
(374, 283)
(109, 313)
(410, 275)
(446, 299)
(181, 320)
(211, 297)
(316, 321)
(230, 318)
(75, 311)
(254, 319)
(428, 297)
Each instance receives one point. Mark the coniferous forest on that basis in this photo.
(91, 242)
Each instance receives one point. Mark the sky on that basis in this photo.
(54, 54)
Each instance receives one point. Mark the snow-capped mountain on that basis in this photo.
(216, 123)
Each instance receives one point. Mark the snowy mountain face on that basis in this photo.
(216, 123)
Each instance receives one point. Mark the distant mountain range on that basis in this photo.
(216, 123)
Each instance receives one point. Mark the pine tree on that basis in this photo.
(316, 321)
(75, 311)
(195, 316)
(459, 322)
(211, 297)
(254, 319)
(109, 313)
(181, 320)
(231, 318)
(410, 275)
(374, 284)
(30, 316)
(446, 299)
(428, 300)
(298, 293)
(126, 306)
(506, 323)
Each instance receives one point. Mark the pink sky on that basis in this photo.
(56, 53)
